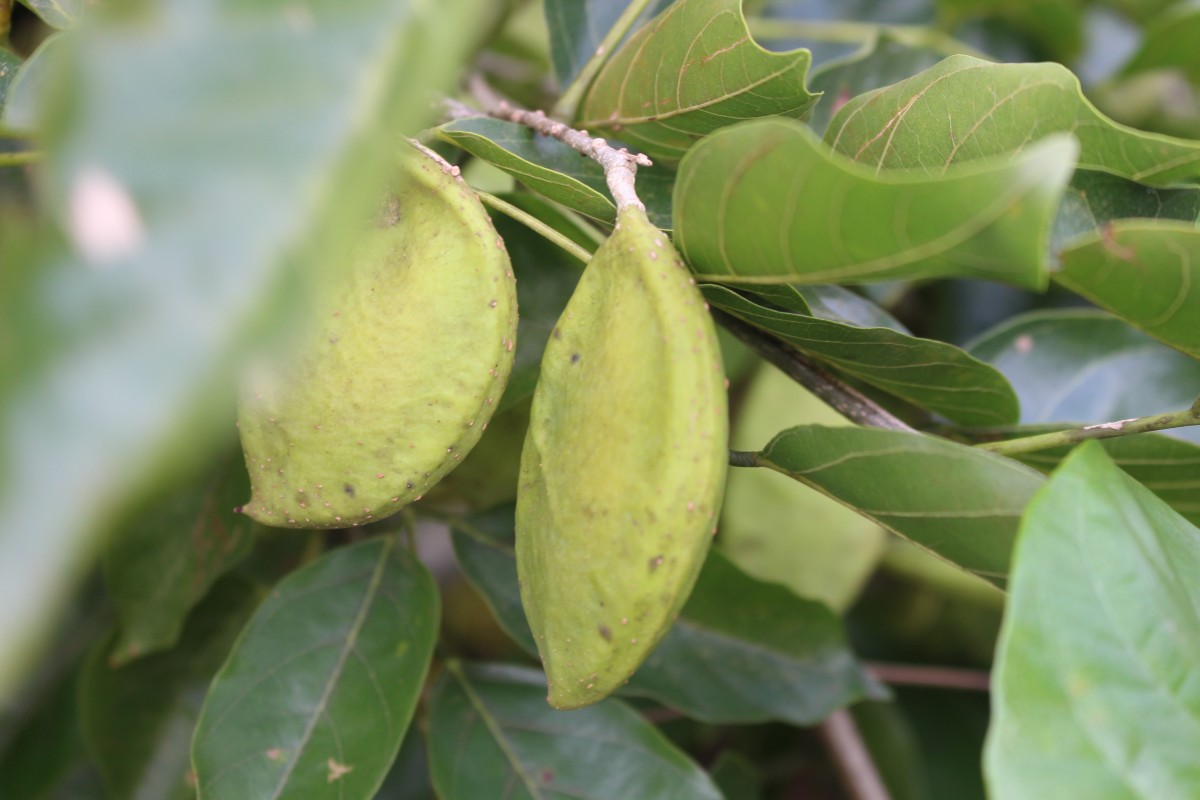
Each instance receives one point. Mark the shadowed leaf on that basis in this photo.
(492, 735)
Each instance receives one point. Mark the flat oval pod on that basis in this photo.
(623, 467)
(397, 383)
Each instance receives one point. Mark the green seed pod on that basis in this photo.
(623, 467)
(414, 347)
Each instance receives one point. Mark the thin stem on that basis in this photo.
(1104, 430)
(620, 166)
(20, 159)
(972, 680)
(534, 224)
(568, 101)
(742, 458)
(851, 757)
(844, 399)
(770, 28)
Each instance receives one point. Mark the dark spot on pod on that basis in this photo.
(557, 333)
(574, 358)
(410, 485)
(348, 489)
(605, 632)
(655, 563)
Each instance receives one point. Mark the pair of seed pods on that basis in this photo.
(623, 465)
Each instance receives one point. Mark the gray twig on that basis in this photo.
(843, 398)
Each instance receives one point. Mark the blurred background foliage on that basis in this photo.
(252, 148)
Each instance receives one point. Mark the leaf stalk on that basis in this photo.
(1103, 430)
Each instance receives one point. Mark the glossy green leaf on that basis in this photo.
(792, 663)
(492, 735)
(138, 719)
(957, 502)
(555, 170)
(1094, 199)
(1146, 272)
(224, 149)
(1169, 42)
(322, 683)
(782, 531)
(964, 109)
(767, 202)
(1094, 695)
(1085, 366)
(838, 304)
(57, 13)
(831, 302)
(577, 27)
(692, 70)
(1163, 464)
(926, 373)
(165, 559)
(744, 651)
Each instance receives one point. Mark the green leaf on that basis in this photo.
(577, 27)
(28, 87)
(491, 734)
(1163, 464)
(1095, 199)
(56, 13)
(542, 163)
(838, 304)
(737, 776)
(1169, 43)
(1093, 696)
(164, 561)
(138, 719)
(767, 202)
(743, 651)
(692, 70)
(408, 778)
(10, 63)
(322, 683)
(223, 180)
(779, 530)
(964, 109)
(957, 502)
(40, 745)
(555, 170)
(792, 660)
(880, 61)
(1086, 366)
(1055, 25)
(927, 373)
(1146, 272)
(546, 277)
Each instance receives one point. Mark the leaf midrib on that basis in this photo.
(347, 647)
